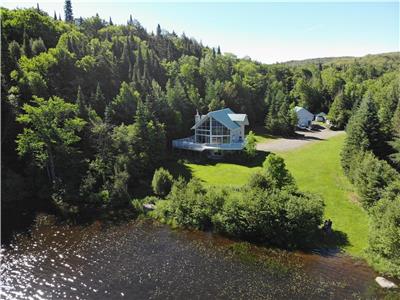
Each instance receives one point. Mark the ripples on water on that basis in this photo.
(143, 260)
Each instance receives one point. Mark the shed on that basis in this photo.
(304, 117)
(321, 117)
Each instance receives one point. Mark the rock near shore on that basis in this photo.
(384, 283)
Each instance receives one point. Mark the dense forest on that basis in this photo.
(89, 109)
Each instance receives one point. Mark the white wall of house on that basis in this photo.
(235, 134)
(304, 117)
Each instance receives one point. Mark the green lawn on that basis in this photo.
(316, 168)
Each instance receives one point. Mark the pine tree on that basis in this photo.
(219, 50)
(338, 113)
(158, 30)
(59, 17)
(55, 16)
(139, 61)
(37, 7)
(125, 64)
(363, 134)
(14, 50)
(130, 22)
(396, 121)
(99, 101)
(26, 45)
(123, 107)
(38, 46)
(111, 22)
(69, 17)
(80, 101)
(395, 144)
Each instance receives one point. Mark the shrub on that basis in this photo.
(162, 182)
(190, 205)
(260, 181)
(277, 218)
(276, 172)
(281, 217)
(384, 238)
(251, 143)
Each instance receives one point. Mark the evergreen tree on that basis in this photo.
(371, 178)
(125, 63)
(69, 17)
(396, 121)
(110, 22)
(14, 50)
(338, 114)
(219, 50)
(123, 107)
(81, 103)
(26, 45)
(38, 46)
(275, 171)
(130, 21)
(55, 16)
(99, 101)
(158, 30)
(139, 62)
(281, 117)
(395, 144)
(395, 156)
(363, 134)
(162, 182)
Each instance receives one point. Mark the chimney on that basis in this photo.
(197, 117)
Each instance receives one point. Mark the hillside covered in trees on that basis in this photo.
(89, 109)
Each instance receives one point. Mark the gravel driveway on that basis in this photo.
(303, 138)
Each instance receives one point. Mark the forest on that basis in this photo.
(89, 109)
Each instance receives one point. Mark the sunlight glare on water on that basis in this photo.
(144, 260)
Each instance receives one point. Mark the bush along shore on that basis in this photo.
(269, 209)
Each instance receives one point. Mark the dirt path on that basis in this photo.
(284, 144)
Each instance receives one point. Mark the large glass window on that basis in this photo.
(202, 139)
(205, 125)
(203, 133)
(218, 128)
(220, 134)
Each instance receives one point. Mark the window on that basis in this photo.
(202, 139)
(220, 134)
(218, 128)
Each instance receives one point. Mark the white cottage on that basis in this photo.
(304, 117)
(220, 130)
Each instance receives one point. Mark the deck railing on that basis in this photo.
(190, 144)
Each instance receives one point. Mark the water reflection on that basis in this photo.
(143, 260)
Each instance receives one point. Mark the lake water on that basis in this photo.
(146, 260)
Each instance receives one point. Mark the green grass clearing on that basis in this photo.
(316, 168)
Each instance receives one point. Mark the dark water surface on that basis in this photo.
(145, 260)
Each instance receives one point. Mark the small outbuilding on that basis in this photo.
(321, 117)
(304, 117)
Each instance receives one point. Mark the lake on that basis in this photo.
(147, 260)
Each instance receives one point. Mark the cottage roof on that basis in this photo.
(298, 109)
(226, 117)
(242, 118)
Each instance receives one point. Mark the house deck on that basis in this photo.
(189, 144)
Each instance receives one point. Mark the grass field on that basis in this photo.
(316, 168)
